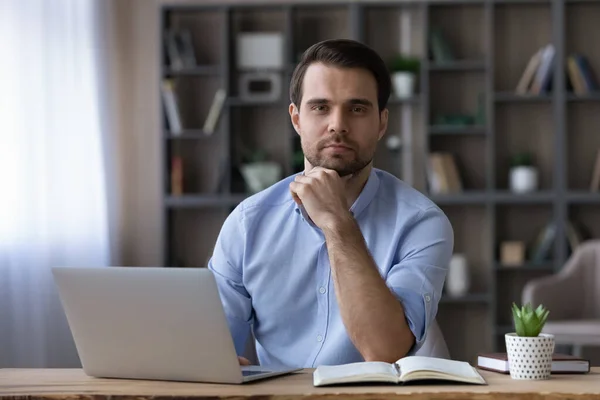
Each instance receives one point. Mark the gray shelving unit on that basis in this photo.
(494, 40)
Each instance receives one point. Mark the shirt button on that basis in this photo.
(319, 338)
(322, 290)
(427, 298)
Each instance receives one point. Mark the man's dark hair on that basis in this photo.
(343, 53)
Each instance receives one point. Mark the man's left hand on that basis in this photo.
(322, 192)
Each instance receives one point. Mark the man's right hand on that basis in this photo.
(243, 361)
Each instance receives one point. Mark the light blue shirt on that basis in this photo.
(272, 269)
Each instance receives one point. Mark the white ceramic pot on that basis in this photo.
(530, 358)
(404, 84)
(523, 179)
(458, 278)
(260, 175)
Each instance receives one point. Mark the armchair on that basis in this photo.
(573, 298)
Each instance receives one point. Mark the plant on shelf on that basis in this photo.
(529, 350)
(404, 70)
(258, 171)
(523, 173)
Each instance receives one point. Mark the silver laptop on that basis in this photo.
(151, 323)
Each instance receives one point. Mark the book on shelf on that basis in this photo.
(176, 176)
(541, 249)
(214, 112)
(529, 73)
(180, 49)
(171, 107)
(580, 74)
(537, 76)
(561, 363)
(406, 370)
(443, 174)
(439, 47)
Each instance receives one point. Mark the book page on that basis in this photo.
(355, 372)
(433, 367)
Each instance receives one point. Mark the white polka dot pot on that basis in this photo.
(530, 358)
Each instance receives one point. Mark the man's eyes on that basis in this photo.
(325, 108)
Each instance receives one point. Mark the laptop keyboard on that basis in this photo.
(250, 373)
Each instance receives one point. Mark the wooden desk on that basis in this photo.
(73, 384)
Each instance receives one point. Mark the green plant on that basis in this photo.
(529, 322)
(402, 63)
(521, 160)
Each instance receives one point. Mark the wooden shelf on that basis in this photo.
(201, 70)
(396, 101)
(478, 298)
(456, 130)
(459, 66)
(582, 197)
(237, 102)
(466, 197)
(591, 97)
(194, 134)
(526, 267)
(507, 197)
(508, 97)
(203, 201)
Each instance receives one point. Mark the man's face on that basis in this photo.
(339, 121)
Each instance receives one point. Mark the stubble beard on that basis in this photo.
(335, 162)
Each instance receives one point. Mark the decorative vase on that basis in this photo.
(260, 175)
(523, 179)
(404, 84)
(458, 279)
(529, 358)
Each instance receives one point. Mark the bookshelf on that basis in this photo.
(492, 42)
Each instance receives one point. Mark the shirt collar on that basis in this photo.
(362, 201)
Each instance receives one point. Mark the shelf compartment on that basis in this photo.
(583, 144)
(469, 153)
(474, 334)
(525, 223)
(520, 30)
(264, 129)
(462, 27)
(196, 232)
(312, 24)
(200, 23)
(471, 238)
(464, 101)
(525, 128)
(586, 220)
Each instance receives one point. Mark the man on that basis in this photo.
(343, 262)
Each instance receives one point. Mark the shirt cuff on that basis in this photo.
(417, 309)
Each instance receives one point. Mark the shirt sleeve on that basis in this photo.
(226, 265)
(417, 279)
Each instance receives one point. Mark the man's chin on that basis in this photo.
(343, 169)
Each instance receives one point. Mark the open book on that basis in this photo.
(407, 369)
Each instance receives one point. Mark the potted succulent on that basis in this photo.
(523, 175)
(404, 70)
(529, 351)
